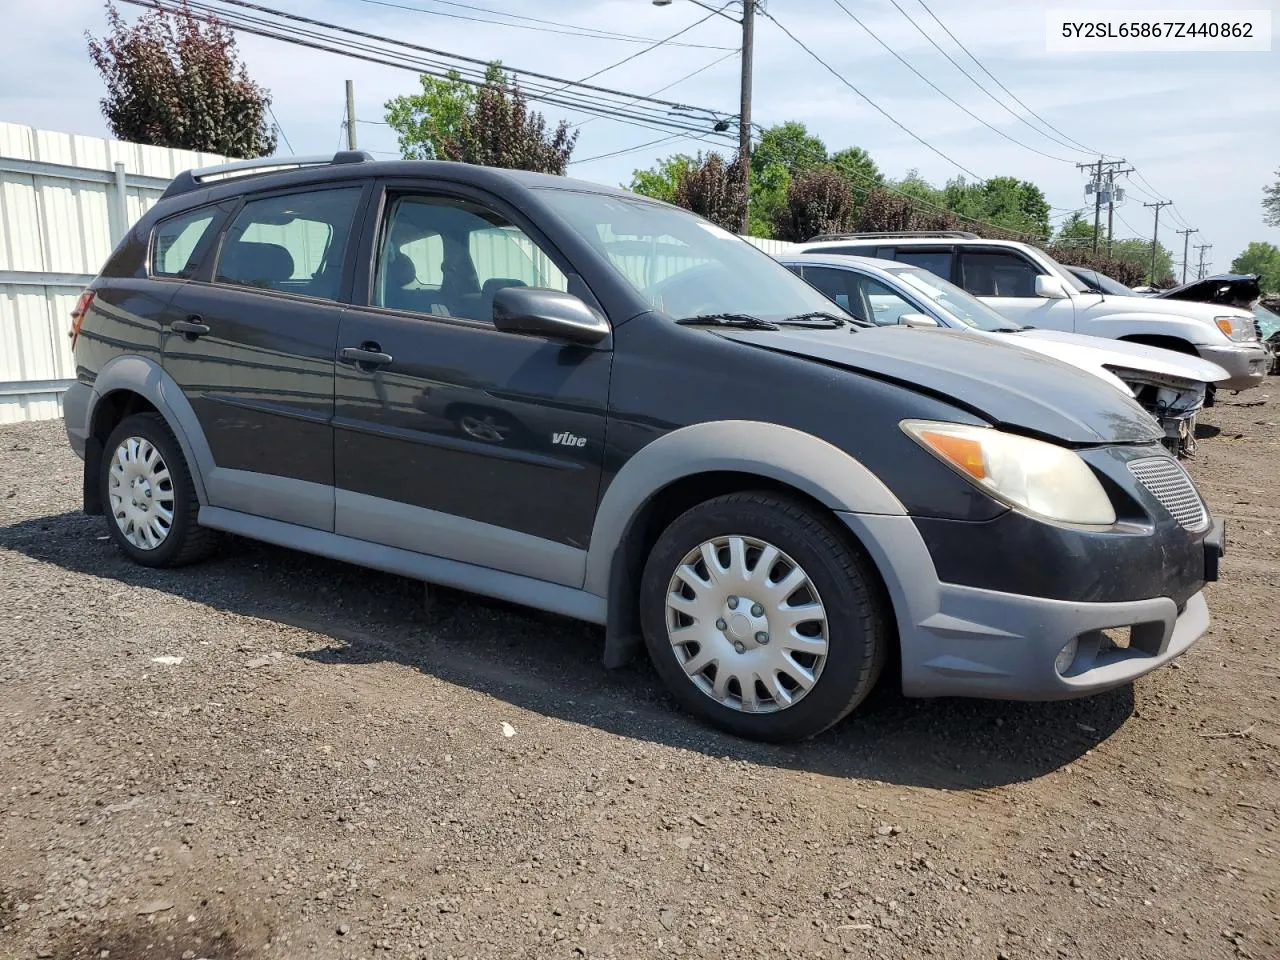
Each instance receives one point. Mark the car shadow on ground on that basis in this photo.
(551, 666)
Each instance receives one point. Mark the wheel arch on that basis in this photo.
(697, 463)
(133, 384)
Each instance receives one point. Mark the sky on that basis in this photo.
(1202, 128)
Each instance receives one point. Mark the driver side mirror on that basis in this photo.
(917, 320)
(1051, 288)
(547, 313)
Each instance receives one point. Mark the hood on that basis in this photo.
(1092, 353)
(1000, 382)
(1101, 306)
(1231, 289)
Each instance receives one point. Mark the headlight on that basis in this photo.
(1041, 478)
(1236, 327)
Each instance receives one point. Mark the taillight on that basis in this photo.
(77, 315)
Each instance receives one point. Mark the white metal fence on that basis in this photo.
(65, 201)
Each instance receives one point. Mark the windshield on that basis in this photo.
(683, 265)
(946, 296)
(1107, 285)
(1268, 321)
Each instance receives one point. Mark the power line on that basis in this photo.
(1077, 144)
(911, 133)
(621, 106)
(950, 99)
(653, 93)
(640, 53)
(637, 147)
(568, 29)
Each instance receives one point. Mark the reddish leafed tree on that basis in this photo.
(715, 190)
(174, 80)
(819, 201)
(499, 130)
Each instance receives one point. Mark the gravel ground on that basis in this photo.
(335, 771)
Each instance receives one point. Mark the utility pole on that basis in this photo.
(1202, 247)
(1186, 239)
(1096, 184)
(744, 110)
(1155, 236)
(1111, 200)
(351, 116)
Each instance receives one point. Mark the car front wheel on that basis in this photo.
(761, 618)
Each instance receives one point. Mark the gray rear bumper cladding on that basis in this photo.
(966, 641)
(75, 415)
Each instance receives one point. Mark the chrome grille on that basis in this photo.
(1165, 480)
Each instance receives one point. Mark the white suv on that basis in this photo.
(1028, 286)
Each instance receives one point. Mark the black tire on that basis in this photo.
(186, 541)
(858, 631)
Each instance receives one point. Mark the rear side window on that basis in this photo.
(176, 241)
(935, 261)
(295, 243)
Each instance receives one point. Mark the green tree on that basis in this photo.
(175, 81)
(1262, 259)
(858, 168)
(1271, 203)
(1005, 201)
(791, 145)
(660, 180)
(491, 125)
(423, 121)
(918, 188)
(1075, 231)
(1138, 253)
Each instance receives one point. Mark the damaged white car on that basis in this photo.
(1169, 385)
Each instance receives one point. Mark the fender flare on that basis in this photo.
(1118, 326)
(146, 378)
(777, 453)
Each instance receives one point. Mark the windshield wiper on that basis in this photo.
(1009, 329)
(744, 320)
(815, 319)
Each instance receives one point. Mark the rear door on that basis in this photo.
(250, 341)
(452, 437)
(1006, 279)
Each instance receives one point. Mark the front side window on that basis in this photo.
(998, 274)
(949, 298)
(448, 257)
(681, 264)
(174, 245)
(295, 243)
(864, 297)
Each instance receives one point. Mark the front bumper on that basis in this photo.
(974, 642)
(1247, 363)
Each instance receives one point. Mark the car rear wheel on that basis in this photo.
(149, 496)
(761, 618)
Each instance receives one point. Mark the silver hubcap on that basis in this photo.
(746, 624)
(141, 493)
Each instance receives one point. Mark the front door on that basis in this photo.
(453, 438)
(251, 342)
(1006, 281)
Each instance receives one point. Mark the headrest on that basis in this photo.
(262, 264)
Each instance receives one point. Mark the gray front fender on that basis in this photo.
(772, 452)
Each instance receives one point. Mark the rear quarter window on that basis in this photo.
(176, 243)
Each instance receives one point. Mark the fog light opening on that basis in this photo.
(1067, 656)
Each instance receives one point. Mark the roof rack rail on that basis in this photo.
(190, 180)
(889, 235)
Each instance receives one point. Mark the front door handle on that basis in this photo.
(368, 355)
(191, 328)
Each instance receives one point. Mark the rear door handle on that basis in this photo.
(191, 328)
(363, 357)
